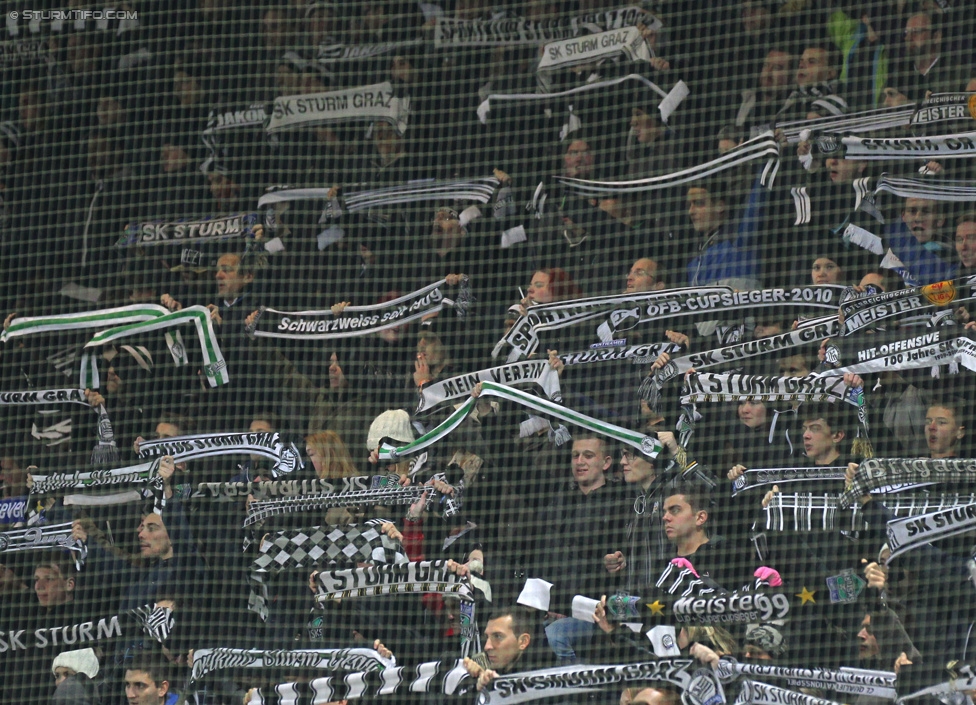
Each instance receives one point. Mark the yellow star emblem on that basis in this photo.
(806, 596)
(656, 607)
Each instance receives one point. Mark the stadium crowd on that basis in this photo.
(495, 306)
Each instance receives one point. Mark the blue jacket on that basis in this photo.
(922, 265)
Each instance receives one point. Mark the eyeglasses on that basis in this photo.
(626, 456)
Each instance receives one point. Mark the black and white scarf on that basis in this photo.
(180, 232)
(145, 477)
(763, 147)
(331, 53)
(945, 107)
(448, 677)
(955, 146)
(864, 121)
(357, 321)
(392, 579)
(516, 374)
(318, 546)
(952, 691)
(360, 104)
(869, 311)
(151, 620)
(212, 660)
(50, 537)
(644, 354)
(713, 387)
(889, 352)
(754, 693)
(908, 533)
(876, 473)
(942, 190)
(762, 477)
(650, 446)
(251, 119)
(626, 42)
(288, 488)
(31, 397)
(350, 201)
(634, 83)
(381, 490)
(821, 512)
(698, 686)
(809, 332)
(286, 456)
(515, 31)
(523, 336)
(859, 681)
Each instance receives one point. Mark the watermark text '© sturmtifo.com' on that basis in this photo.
(72, 15)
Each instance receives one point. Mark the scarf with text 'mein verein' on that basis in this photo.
(318, 546)
(650, 446)
(532, 372)
(361, 104)
(269, 445)
(879, 684)
(357, 321)
(807, 511)
(211, 660)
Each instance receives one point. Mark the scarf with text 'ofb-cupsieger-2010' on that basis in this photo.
(359, 320)
(286, 456)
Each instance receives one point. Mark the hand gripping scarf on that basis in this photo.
(648, 445)
(145, 477)
(864, 121)
(214, 366)
(877, 473)
(318, 546)
(51, 537)
(357, 321)
(950, 686)
(211, 660)
(763, 477)
(857, 681)
(286, 457)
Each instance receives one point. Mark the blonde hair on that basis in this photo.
(720, 639)
(335, 459)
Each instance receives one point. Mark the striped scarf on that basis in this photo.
(877, 473)
(955, 146)
(807, 512)
(211, 660)
(529, 373)
(754, 693)
(762, 147)
(860, 681)
(908, 533)
(51, 537)
(392, 579)
(865, 121)
(650, 446)
(214, 365)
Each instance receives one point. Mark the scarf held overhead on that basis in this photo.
(392, 579)
(533, 372)
(268, 445)
(161, 232)
(364, 104)
(207, 661)
(876, 473)
(357, 321)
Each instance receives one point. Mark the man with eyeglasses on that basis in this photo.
(925, 69)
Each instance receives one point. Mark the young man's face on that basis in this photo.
(140, 689)
(230, 282)
(680, 521)
(52, 588)
(775, 74)
(502, 644)
(637, 470)
(154, 540)
(706, 213)
(844, 171)
(867, 643)
(578, 160)
(923, 217)
(819, 440)
(590, 462)
(966, 243)
(942, 432)
(814, 68)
